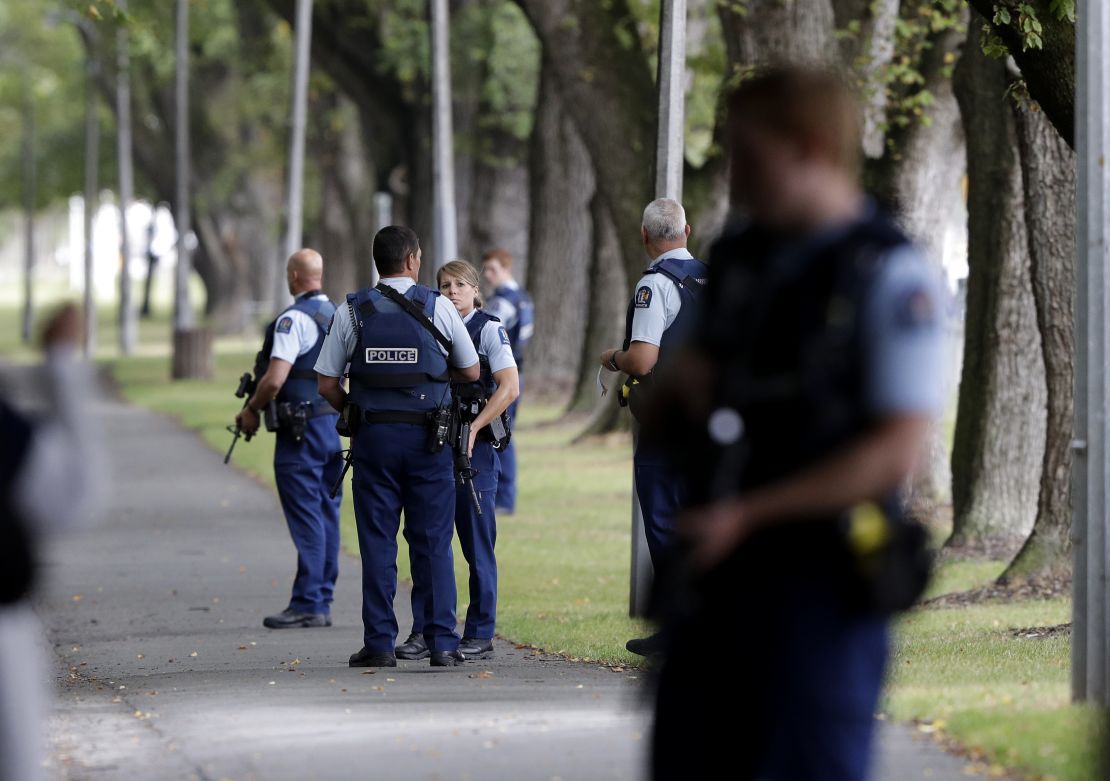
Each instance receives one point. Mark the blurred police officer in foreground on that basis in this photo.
(661, 316)
(404, 344)
(481, 403)
(51, 479)
(511, 304)
(819, 367)
(307, 460)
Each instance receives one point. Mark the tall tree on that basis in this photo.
(1049, 179)
(1040, 35)
(999, 440)
(598, 63)
(559, 243)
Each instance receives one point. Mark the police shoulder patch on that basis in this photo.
(915, 310)
(285, 325)
(643, 297)
(501, 332)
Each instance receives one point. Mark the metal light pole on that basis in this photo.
(1090, 658)
(126, 185)
(669, 160)
(28, 207)
(294, 207)
(92, 153)
(443, 158)
(182, 312)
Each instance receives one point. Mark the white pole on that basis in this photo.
(670, 150)
(295, 196)
(1090, 660)
(182, 312)
(443, 158)
(92, 154)
(383, 217)
(28, 207)
(669, 161)
(126, 185)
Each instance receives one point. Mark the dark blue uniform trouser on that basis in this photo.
(305, 472)
(797, 702)
(506, 482)
(477, 537)
(660, 491)
(393, 471)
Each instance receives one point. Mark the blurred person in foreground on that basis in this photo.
(815, 373)
(51, 480)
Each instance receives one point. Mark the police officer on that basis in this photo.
(404, 344)
(495, 390)
(660, 318)
(511, 304)
(819, 367)
(306, 448)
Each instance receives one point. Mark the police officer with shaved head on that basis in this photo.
(306, 447)
(404, 344)
(661, 315)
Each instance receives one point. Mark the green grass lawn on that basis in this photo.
(564, 560)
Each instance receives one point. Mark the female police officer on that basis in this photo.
(495, 390)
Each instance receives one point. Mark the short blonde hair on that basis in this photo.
(464, 270)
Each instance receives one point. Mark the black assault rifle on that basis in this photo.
(464, 414)
(247, 386)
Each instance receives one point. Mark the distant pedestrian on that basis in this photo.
(818, 368)
(511, 304)
(51, 480)
(307, 459)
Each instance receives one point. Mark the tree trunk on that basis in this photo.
(562, 187)
(344, 230)
(999, 442)
(1049, 169)
(609, 295)
(603, 75)
(761, 31)
(925, 165)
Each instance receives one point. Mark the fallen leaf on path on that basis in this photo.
(193, 654)
(483, 674)
(78, 597)
(364, 672)
(242, 648)
(138, 656)
(273, 683)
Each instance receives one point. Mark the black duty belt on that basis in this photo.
(409, 418)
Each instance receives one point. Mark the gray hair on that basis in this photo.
(665, 220)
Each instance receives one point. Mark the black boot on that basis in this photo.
(412, 649)
(365, 658)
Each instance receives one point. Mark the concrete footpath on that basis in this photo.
(164, 670)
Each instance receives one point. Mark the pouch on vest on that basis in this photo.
(891, 558)
(636, 393)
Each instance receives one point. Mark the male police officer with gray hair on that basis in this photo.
(404, 344)
(661, 315)
(306, 447)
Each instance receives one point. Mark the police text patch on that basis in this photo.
(915, 310)
(643, 297)
(285, 325)
(504, 336)
(392, 355)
